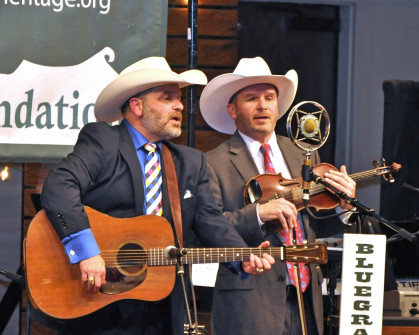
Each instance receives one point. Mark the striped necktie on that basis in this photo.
(153, 181)
(285, 237)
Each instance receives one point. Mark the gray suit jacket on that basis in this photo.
(255, 305)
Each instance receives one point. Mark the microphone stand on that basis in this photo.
(190, 328)
(13, 276)
(362, 209)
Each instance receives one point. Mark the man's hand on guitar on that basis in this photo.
(93, 272)
(256, 265)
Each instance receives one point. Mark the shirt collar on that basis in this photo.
(138, 138)
(254, 146)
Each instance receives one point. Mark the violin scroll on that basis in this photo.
(383, 170)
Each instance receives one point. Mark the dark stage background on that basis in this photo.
(400, 200)
(301, 37)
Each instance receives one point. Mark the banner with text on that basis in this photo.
(363, 263)
(56, 57)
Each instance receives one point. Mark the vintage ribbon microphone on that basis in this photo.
(308, 127)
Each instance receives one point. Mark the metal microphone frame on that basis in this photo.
(318, 137)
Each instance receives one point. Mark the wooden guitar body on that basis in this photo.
(54, 285)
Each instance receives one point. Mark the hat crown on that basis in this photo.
(249, 67)
(157, 63)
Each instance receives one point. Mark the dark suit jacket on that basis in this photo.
(103, 172)
(256, 305)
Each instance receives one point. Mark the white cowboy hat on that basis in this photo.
(145, 74)
(249, 71)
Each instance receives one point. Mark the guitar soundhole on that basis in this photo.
(128, 269)
(131, 259)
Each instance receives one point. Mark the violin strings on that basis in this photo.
(315, 189)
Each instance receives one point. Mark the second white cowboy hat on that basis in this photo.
(145, 74)
(249, 71)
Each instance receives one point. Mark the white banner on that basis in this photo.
(361, 308)
(52, 103)
(55, 58)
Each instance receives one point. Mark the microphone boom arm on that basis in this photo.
(362, 209)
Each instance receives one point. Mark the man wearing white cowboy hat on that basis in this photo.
(109, 170)
(247, 103)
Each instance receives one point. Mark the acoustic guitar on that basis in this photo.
(137, 266)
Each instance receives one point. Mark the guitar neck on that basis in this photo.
(306, 253)
(157, 257)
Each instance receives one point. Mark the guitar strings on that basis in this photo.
(156, 256)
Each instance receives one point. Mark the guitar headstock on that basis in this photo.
(385, 171)
(315, 253)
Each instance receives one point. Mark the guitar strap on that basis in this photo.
(172, 188)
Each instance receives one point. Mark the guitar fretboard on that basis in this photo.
(157, 257)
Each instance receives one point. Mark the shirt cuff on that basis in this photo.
(80, 246)
(261, 223)
(345, 216)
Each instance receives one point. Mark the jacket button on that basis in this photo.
(281, 278)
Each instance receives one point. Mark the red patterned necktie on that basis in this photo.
(286, 237)
(269, 167)
(153, 181)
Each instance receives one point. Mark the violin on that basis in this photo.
(267, 187)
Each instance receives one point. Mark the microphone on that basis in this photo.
(309, 125)
(174, 253)
(308, 130)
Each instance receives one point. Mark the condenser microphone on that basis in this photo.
(174, 253)
(309, 126)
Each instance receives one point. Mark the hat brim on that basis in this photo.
(216, 95)
(110, 100)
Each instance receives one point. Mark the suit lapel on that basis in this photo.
(129, 153)
(293, 158)
(241, 158)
